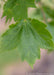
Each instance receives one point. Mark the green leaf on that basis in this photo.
(17, 9)
(27, 37)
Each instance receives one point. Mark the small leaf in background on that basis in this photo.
(51, 28)
(17, 9)
(49, 12)
(27, 37)
(49, 3)
(36, 13)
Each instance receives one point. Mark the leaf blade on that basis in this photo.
(27, 37)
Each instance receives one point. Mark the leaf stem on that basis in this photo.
(40, 4)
